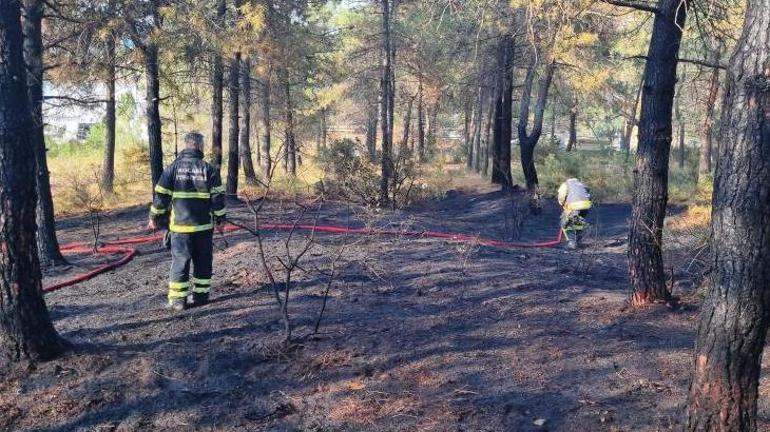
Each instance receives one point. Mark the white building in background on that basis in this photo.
(66, 119)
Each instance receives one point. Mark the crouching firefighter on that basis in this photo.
(575, 199)
(189, 201)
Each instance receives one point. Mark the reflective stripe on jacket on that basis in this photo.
(189, 194)
(574, 195)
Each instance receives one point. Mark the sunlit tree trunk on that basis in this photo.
(645, 259)
(735, 315)
(26, 331)
(420, 122)
(404, 145)
(477, 125)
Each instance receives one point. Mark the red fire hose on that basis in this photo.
(121, 246)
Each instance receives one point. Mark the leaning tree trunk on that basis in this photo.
(48, 244)
(528, 141)
(217, 92)
(706, 139)
(501, 157)
(736, 312)
(645, 258)
(152, 99)
(233, 154)
(26, 331)
(386, 109)
(267, 159)
(108, 161)
(245, 129)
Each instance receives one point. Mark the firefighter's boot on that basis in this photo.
(199, 299)
(177, 304)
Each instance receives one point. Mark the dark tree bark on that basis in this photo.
(152, 100)
(386, 110)
(233, 154)
(573, 114)
(322, 131)
(488, 143)
(420, 122)
(26, 331)
(371, 132)
(290, 146)
(108, 161)
(501, 156)
(267, 159)
(645, 259)
(48, 244)
(477, 125)
(528, 141)
(245, 145)
(707, 133)
(680, 126)
(218, 85)
(468, 132)
(736, 312)
(404, 145)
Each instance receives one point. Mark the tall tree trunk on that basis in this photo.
(707, 133)
(680, 125)
(625, 143)
(420, 122)
(48, 244)
(245, 144)
(645, 258)
(152, 100)
(528, 141)
(404, 146)
(371, 132)
(468, 131)
(488, 143)
(386, 111)
(26, 331)
(108, 161)
(233, 155)
(501, 158)
(573, 113)
(736, 312)
(324, 132)
(479, 116)
(218, 85)
(290, 147)
(267, 159)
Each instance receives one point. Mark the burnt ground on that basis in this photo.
(419, 334)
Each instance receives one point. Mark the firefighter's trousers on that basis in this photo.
(196, 247)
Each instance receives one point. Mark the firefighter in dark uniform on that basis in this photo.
(189, 201)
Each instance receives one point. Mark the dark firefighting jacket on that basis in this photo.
(189, 196)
